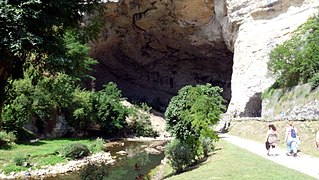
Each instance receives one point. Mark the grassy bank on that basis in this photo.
(40, 153)
(231, 162)
(256, 130)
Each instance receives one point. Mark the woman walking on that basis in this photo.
(271, 138)
(292, 140)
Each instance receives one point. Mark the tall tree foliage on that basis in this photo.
(191, 113)
(33, 31)
(296, 61)
(189, 116)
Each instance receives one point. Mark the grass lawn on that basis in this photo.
(43, 152)
(231, 162)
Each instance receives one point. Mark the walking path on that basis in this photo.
(303, 163)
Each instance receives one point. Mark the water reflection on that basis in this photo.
(128, 167)
(136, 156)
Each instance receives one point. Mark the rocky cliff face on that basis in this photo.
(152, 48)
(261, 26)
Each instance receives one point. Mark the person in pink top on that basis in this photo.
(271, 138)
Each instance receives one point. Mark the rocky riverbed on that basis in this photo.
(58, 169)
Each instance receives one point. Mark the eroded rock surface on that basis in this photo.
(152, 48)
(263, 25)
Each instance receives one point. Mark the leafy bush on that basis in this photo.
(314, 81)
(111, 114)
(208, 145)
(6, 139)
(39, 101)
(141, 124)
(18, 111)
(74, 151)
(189, 116)
(80, 112)
(97, 146)
(180, 154)
(297, 60)
(143, 127)
(43, 98)
(19, 160)
(94, 171)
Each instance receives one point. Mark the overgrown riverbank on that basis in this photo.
(42, 159)
(43, 154)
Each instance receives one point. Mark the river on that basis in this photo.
(128, 166)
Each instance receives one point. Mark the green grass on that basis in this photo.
(231, 162)
(256, 130)
(42, 153)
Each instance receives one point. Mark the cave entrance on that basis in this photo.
(152, 53)
(253, 107)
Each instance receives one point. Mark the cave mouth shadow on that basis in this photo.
(253, 107)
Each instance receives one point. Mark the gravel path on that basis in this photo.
(303, 163)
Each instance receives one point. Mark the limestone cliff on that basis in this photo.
(152, 48)
(262, 25)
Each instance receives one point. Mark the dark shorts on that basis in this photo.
(268, 145)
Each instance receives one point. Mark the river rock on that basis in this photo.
(152, 151)
(121, 153)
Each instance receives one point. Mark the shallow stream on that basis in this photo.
(125, 167)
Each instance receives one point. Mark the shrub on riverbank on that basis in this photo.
(74, 151)
(34, 104)
(42, 153)
(94, 171)
(6, 139)
(180, 154)
(140, 121)
(97, 145)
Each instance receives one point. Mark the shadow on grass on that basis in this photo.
(7, 147)
(37, 143)
(42, 141)
(195, 166)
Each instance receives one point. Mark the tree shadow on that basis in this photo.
(37, 143)
(7, 147)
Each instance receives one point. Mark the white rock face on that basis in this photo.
(261, 26)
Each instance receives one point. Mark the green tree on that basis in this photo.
(191, 113)
(296, 61)
(110, 112)
(33, 31)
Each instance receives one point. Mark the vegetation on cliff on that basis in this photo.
(296, 61)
